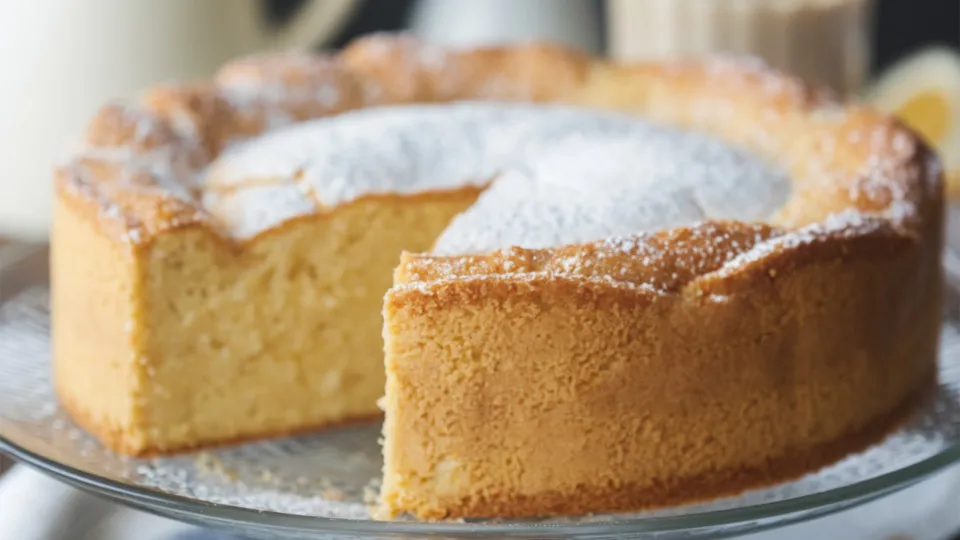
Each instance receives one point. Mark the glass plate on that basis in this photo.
(318, 486)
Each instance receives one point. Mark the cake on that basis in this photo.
(600, 286)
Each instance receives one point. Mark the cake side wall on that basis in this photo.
(282, 335)
(546, 396)
(97, 328)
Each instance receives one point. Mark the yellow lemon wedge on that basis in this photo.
(923, 90)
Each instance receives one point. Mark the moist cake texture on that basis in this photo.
(660, 282)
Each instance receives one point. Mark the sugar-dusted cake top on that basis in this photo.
(558, 174)
(222, 155)
(643, 177)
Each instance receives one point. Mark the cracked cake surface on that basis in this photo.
(585, 285)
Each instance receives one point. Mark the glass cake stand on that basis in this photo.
(319, 486)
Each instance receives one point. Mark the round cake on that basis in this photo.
(585, 285)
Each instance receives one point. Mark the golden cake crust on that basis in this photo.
(805, 306)
(683, 388)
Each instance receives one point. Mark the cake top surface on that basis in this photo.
(222, 156)
(558, 175)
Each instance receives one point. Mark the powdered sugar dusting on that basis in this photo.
(285, 86)
(407, 149)
(656, 262)
(137, 153)
(252, 209)
(163, 171)
(562, 174)
(645, 178)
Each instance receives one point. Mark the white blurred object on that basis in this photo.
(62, 59)
(485, 22)
(822, 41)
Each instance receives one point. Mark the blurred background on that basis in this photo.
(64, 58)
(901, 26)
